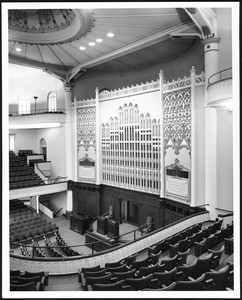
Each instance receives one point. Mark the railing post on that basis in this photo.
(134, 234)
(92, 248)
(33, 250)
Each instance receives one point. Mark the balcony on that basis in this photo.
(37, 119)
(219, 89)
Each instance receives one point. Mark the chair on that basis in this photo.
(187, 270)
(191, 284)
(87, 269)
(116, 286)
(170, 287)
(160, 246)
(30, 286)
(229, 245)
(168, 263)
(36, 280)
(204, 245)
(121, 268)
(202, 266)
(90, 281)
(182, 257)
(130, 259)
(14, 272)
(83, 276)
(144, 271)
(140, 263)
(123, 275)
(114, 264)
(216, 256)
(138, 283)
(154, 258)
(44, 274)
(219, 279)
(166, 277)
(147, 227)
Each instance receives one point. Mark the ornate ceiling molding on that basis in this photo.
(49, 26)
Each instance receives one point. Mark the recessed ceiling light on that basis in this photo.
(110, 34)
(99, 40)
(91, 44)
(18, 49)
(82, 48)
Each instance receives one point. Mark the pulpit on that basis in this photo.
(102, 225)
(113, 229)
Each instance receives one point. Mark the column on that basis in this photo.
(98, 143)
(211, 68)
(193, 139)
(162, 158)
(68, 145)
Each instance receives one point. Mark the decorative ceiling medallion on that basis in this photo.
(49, 26)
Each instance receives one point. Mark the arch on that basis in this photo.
(43, 148)
(52, 101)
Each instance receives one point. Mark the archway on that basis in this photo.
(43, 148)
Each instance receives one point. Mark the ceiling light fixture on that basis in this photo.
(18, 49)
(99, 40)
(82, 48)
(110, 34)
(91, 44)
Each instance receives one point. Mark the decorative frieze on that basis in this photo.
(176, 84)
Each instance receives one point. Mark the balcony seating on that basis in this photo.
(181, 246)
(170, 287)
(216, 256)
(92, 274)
(116, 286)
(144, 271)
(44, 274)
(191, 284)
(130, 259)
(204, 245)
(90, 281)
(166, 277)
(38, 280)
(138, 283)
(140, 263)
(182, 257)
(14, 272)
(122, 275)
(168, 263)
(229, 245)
(114, 264)
(154, 258)
(219, 279)
(160, 246)
(122, 268)
(30, 286)
(202, 266)
(187, 270)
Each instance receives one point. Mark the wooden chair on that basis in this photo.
(166, 277)
(122, 275)
(216, 256)
(130, 259)
(202, 266)
(140, 263)
(36, 280)
(204, 245)
(138, 283)
(191, 284)
(90, 281)
(182, 257)
(144, 271)
(44, 274)
(116, 286)
(154, 258)
(219, 279)
(168, 263)
(30, 286)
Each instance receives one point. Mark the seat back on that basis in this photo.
(30, 286)
(193, 285)
(138, 283)
(91, 269)
(154, 258)
(139, 263)
(129, 259)
(128, 274)
(121, 268)
(202, 266)
(169, 263)
(182, 256)
(117, 286)
(144, 271)
(23, 280)
(102, 279)
(166, 277)
(220, 278)
(114, 264)
(170, 287)
(95, 274)
(187, 269)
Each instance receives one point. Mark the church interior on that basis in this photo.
(120, 149)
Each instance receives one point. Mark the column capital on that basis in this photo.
(68, 87)
(210, 40)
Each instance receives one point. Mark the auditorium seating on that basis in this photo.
(166, 277)
(154, 258)
(138, 283)
(204, 245)
(90, 281)
(202, 265)
(191, 284)
(30, 286)
(220, 279)
(170, 287)
(187, 270)
(127, 274)
(216, 256)
(116, 286)
(130, 259)
(18, 277)
(144, 271)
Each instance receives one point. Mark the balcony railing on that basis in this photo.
(37, 112)
(219, 76)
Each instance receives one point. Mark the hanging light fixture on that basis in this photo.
(35, 98)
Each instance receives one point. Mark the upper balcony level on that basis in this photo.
(37, 118)
(219, 89)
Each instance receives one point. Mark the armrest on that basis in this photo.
(126, 288)
(42, 283)
(79, 274)
(190, 278)
(208, 284)
(38, 287)
(113, 279)
(228, 289)
(212, 270)
(83, 281)
(180, 275)
(89, 287)
(161, 268)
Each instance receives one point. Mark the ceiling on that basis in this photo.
(51, 38)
